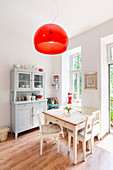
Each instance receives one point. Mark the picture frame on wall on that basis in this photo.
(90, 80)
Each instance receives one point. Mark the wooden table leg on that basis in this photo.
(75, 145)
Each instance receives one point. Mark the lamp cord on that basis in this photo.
(56, 12)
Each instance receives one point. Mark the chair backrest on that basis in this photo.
(89, 125)
(39, 121)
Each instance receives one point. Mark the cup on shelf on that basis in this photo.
(28, 98)
(19, 98)
(23, 86)
(33, 98)
(27, 86)
(38, 86)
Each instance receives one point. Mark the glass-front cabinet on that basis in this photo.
(29, 81)
(24, 81)
(37, 82)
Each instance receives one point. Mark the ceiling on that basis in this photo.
(23, 17)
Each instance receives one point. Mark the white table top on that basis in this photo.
(74, 118)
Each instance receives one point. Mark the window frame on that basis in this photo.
(72, 72)
(108, 53)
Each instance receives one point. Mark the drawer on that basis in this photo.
(23, 105)
(60, 122)
(39, 104)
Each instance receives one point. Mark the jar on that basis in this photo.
(33, 97)
(28, 98)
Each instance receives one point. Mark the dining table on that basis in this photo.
(73, 121)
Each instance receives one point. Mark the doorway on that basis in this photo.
(111, 96)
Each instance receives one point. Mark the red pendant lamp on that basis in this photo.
(51, 39)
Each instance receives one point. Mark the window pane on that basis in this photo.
(75, 86)
(77, 62)
(80, 85)
(111, 53)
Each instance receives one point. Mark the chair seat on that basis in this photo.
(51, 128)
(81, 134)
(72, 131)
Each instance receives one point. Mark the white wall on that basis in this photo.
(15, 48)
(90, 43)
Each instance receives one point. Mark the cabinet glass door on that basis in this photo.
(38, 81)
(24, 80)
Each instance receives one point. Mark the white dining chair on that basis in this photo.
(84, 135)
(48, 131)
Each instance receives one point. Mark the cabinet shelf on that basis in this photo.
(24, 80)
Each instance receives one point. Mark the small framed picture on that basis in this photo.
(90, 80)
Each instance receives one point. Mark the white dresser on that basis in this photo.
(24, 113)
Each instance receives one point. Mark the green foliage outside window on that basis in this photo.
(111, 92)
(77, 66)
(77, 62)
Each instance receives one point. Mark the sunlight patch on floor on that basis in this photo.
(107, 143)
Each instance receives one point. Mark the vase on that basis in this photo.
(68, 112)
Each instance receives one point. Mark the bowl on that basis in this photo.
(41, 69)
(39, 96)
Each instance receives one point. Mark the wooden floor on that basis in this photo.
(23, 154)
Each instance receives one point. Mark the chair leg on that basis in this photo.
(84, 150)
(41, 145)
(69, 141)
(62, 132)
(77, 142)
(58, 143)
(92, 143)
(98, 136)
(89, 145)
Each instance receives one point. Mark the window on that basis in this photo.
(110, 53)
(76, 77)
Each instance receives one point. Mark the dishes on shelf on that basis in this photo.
(39, 96)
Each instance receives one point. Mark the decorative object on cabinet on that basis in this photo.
(90, 80)
(41, 69)
(55, 82)
(52, 103)
(24, 100)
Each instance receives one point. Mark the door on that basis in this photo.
(23, 81)
(37, 82)
(24, 118)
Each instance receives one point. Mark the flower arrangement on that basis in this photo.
(68, 109)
